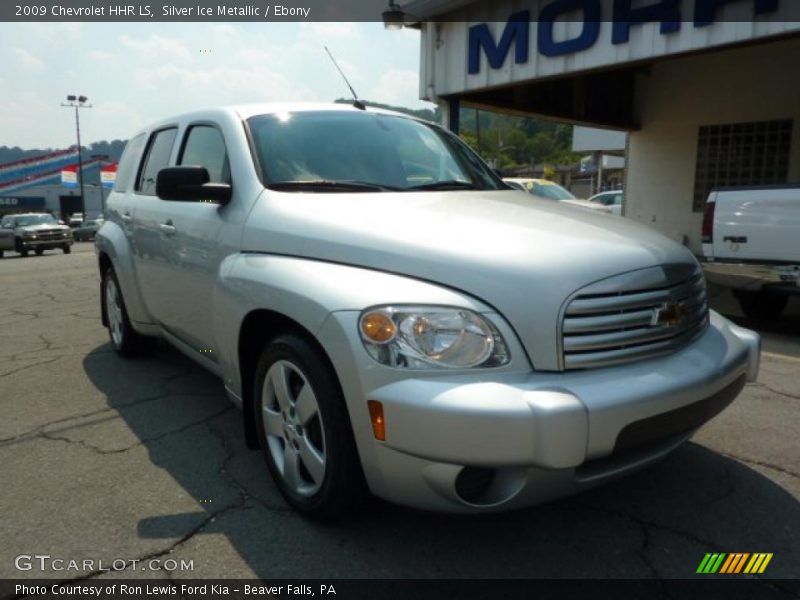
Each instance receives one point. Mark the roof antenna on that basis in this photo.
(356, 102)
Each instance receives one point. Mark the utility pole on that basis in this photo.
(77, 102)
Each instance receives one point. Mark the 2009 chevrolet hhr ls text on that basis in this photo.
(393, 319)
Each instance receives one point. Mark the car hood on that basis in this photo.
(42, 227)
(520, 255)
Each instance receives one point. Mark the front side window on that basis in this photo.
(205, 147)
(157, 158)
(367, 151)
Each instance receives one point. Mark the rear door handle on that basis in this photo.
(127, 217)
(735, 239)
(168, 228)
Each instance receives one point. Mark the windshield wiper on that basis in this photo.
(444, 185)
(330, 185)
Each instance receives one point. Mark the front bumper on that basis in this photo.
(753, 276)
(47, 244)
(534, 436)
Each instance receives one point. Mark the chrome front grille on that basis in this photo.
(50, 234)
(634, 316)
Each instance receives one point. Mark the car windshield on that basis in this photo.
(551, 191)
(363, 151)
(34, 220)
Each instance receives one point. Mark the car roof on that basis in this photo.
(245, 111)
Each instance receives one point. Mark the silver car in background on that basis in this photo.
(393, 319)
(35, 232)
(86, 230)
(613, 200)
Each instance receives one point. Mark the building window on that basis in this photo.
(741, 154)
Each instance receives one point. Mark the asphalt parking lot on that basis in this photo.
(110, 459)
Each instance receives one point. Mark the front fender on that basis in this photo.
(111, 240)
(307, 291)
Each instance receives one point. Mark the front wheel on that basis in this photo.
(304, 430)
(67, 249)
(39, 251)
(124, 338)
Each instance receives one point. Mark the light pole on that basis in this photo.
(77, 102)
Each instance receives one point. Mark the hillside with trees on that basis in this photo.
(112, 149)
(510, 143)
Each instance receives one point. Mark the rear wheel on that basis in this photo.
(2, 253)
(762, 305)
(124, 338)
(39, 251)
(304, 430)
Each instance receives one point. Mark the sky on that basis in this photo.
(135, 73)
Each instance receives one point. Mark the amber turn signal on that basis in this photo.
(376, 416)
(378, 327)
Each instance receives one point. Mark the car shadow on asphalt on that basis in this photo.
(780, 335)
(656, 523)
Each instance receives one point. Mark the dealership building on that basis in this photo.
(708, 91)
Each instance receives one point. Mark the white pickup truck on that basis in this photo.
(751, 243)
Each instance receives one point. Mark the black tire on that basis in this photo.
(2, 253)
(125, 340)
(67, 249)
(342, 487)
(39, 251)
(762, 306)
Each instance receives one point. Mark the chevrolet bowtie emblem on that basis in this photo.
(669, 314)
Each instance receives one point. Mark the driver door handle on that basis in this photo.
(126, 216)
(168, 228)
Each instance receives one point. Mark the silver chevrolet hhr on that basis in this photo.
(393, 319)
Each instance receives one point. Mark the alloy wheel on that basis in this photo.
(293, 428)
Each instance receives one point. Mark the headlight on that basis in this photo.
(422, 337)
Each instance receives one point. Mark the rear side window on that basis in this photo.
(127, 164)
(204, 146)
(156, 159)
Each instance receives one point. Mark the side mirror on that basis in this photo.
(190, 184)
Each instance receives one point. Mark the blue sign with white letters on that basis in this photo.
(624, 17)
